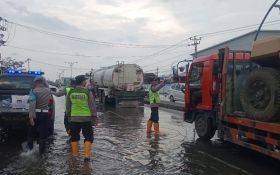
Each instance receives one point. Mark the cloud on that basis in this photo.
(42, 21)
(126, 21)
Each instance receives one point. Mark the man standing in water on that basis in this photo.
(40, 100)
(154, 100)
(80, 107)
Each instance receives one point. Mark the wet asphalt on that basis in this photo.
(121, 146)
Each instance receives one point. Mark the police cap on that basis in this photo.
(38, 78)
(80, 78)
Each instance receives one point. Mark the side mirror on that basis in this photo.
(53, 89)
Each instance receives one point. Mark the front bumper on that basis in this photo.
(13, 118)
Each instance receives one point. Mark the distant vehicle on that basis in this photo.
(15, 87)
(146, 88)
(65, 81)
(120, 84)
(165, 89)
(176, 92)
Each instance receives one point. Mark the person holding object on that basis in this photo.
(64, 92)
(80, 107)
(40, 99)
(154, 100)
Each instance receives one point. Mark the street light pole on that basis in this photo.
(267, 13)
(71, 66)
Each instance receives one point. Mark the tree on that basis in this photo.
(10, 63)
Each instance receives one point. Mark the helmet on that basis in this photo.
(38, 78)
(80, 78)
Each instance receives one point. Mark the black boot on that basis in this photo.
(42, 146)
(30, 143)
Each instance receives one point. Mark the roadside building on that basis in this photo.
(242, 42)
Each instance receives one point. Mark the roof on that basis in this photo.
(236, 38)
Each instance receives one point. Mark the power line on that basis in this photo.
(159, 52)
(96, 42)
(56, 65)
(237, 29)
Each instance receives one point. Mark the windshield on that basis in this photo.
(14, 82)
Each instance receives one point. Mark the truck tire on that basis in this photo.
(260, 95)
(204, 126)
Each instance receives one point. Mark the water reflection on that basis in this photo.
(155, 160)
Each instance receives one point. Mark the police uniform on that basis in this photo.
(40, 114)
(81, 109)
(154, 100)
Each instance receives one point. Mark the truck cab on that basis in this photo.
(202, 84)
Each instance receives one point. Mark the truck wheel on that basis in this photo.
(102, 98)
(204, 126)
(260, 95)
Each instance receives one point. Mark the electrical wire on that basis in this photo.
(96, 42)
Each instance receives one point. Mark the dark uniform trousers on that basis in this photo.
(41, 130)
(154, 114)
(66, 123)
(87, 131)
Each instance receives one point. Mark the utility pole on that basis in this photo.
(71, 66)
(2, 28)
(157, 71)
(28, 63)
(195, 41)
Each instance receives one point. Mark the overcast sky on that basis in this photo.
(151, 23)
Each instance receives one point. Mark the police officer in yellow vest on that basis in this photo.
(154, 100)
(64, 92)
(80, 106)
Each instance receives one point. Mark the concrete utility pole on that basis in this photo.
(157, 71)
(28, 63)
(195, 42)
(2, 28)
(71, 66)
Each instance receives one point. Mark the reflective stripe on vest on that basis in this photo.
(154, 97)
(79, 102)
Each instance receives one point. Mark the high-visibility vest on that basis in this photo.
(79, 98)
(154, 97)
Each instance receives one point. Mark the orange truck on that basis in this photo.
(237, 93)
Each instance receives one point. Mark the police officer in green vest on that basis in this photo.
(80, 107)
(154, 100)
(64, 92)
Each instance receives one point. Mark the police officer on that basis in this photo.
(40, 100)
(154, 100)
(64, 92)
(80, 106)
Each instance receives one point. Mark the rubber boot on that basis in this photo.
(149, 126)
(75, 148)
(87, 150)
(156, 128)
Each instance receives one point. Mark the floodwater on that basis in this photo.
(121, 146)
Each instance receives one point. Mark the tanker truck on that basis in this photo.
(120, 84)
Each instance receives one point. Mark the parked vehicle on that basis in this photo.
(176, 92)
(120, 84)
(237, 95)
(15, 87)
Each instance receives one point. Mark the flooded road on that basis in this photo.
(121, 146)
